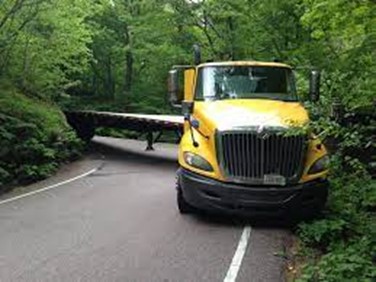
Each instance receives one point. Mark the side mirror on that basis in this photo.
(314, 85)
(173, 88)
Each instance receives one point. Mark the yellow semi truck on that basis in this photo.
(235, 154)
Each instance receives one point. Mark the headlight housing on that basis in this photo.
(320, 165)
(197, 161)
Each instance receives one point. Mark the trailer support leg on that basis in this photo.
(159, 136)
(178, 134)
(150, 140)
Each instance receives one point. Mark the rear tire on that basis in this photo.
(85, 131)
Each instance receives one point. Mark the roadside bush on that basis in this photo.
(34, 139)
(342, 245)
(352, 261)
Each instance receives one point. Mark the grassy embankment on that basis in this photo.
(341, 246)
(34, 139)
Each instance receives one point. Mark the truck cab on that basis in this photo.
(239, 152)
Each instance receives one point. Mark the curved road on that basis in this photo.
(120, 223)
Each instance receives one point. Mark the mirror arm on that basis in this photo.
(187, 117)
(202, 134)
(199, 131)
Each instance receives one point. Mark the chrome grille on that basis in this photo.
(247, 156)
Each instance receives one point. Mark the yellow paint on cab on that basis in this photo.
(241, 113)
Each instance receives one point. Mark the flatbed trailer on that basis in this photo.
(152, 126)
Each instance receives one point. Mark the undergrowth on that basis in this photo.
(34, 139)
(341, 245)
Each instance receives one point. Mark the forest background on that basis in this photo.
(115, 54)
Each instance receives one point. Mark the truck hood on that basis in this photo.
(230, 114)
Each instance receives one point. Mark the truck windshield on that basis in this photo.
(245, 82)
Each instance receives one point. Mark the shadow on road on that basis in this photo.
(259, 222)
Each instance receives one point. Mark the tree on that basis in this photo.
(43, 43)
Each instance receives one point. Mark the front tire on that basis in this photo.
(183, 206)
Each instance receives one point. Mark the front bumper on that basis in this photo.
(212, 195)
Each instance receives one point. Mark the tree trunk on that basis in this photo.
(128, 62)
(128, 71)
(110, 80)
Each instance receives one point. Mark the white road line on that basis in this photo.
(236, 262)
(47, 188)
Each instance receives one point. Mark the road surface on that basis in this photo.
(120, 223)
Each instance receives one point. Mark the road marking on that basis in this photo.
(236, 262)
(47, 188)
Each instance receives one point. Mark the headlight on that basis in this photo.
(320, 165)
(197, 162)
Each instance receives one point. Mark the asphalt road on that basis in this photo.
(120, 223)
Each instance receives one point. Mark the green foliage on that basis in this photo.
(43, 43)
(121, 50)
(349, 214)
(345, 35)
(343, 244)
(352, 261)
(34, 139)
(322, 232)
